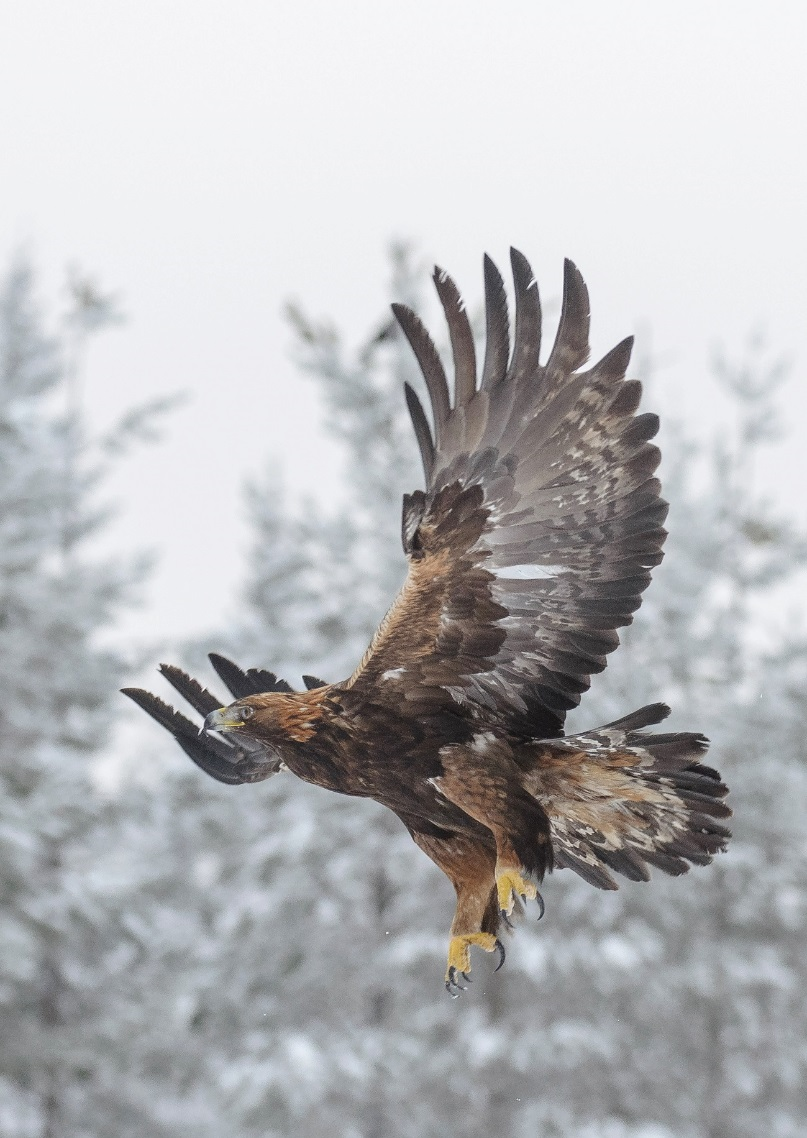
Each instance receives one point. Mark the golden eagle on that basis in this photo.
(532, 543)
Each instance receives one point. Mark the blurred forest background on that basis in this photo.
(179, 958)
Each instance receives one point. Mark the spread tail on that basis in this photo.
(624, 799)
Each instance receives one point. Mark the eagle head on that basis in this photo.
(229, 718)
(274, 719)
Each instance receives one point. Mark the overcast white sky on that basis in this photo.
(210, 160)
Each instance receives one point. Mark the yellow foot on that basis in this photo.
(459, 957)
(510, 884)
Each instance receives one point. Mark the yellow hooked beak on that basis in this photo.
(227, 718)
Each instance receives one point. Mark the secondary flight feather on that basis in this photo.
(531, 544)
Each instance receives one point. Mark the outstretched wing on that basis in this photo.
(541, 519)
(232, 761)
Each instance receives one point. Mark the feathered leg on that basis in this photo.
(470, 865)
(484, 781)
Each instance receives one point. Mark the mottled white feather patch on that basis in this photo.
(529, 572)
(483, 742)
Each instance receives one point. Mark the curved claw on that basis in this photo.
(502, 954)
(451, 983)
(505, 919)
(465, 976)
(541, 905)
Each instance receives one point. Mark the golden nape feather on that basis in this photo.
(530, 545)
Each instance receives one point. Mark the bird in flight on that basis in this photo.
(531, 544)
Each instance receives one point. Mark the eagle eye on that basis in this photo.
(247, 712)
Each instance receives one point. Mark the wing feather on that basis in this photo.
(570, 350)
(423, 432)
(527, 348)
(214, 756)
(199, 698)
(462, 338)
(540, 523)
(497, 327)
(430, 364)
(229, 760)
(239, 683)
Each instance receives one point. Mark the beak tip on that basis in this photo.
(211, 722)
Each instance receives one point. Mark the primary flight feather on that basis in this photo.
(532, 542)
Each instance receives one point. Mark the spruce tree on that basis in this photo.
(62, 1072)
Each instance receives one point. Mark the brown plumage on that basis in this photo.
(532, 543)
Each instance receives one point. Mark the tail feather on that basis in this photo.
(622, 799)
(644, 717)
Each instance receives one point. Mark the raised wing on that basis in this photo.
(540, 522)
(232, 761)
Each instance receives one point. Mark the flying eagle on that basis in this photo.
(532, 543)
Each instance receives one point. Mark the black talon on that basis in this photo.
(502, 954)
(465, 976)
(508, 924)
(541, 906)
(452, 983)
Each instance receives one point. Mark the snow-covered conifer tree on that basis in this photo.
(60, 931)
